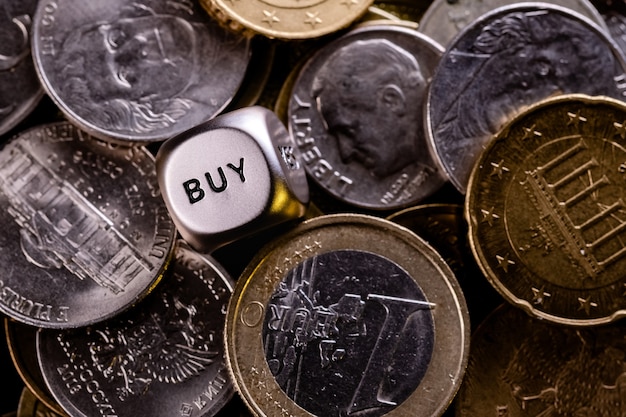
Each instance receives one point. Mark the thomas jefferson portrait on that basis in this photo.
(369, 94)
(141, 71)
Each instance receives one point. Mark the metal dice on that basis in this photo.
(232, 176)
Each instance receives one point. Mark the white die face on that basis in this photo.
(214, 182)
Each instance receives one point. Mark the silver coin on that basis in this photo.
(136, 71)
(85, 230)
(163, 358)
(356, 114)
(506, 61)
(444, 19)
(20, 90)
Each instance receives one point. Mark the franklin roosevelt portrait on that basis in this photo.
(369, 94)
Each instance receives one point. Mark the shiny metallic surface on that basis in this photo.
(444, 19)
(365, 144)
(85, 232)
(485, 78)
(524, 367)
(347, 314)
(545, 209)
(20, 91)
(232, 176)
(163, 358)
(136, 72)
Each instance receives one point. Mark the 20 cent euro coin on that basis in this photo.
(546, 211)
(347, 315)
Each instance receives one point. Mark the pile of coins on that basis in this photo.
(296, 208)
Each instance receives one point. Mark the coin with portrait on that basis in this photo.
(136, 72)
(357, 116)
(506, 61)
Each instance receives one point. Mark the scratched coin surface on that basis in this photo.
(356, 113)
(85, 231)
(506, 61)
(546, 211)
(136, 71)
(523, 367)
(165, 357)
(20, 90)
(286, 19)
(444, 19)
(347, 314)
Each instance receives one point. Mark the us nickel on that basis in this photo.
(356, 115)
(86, 233)
(136, 72)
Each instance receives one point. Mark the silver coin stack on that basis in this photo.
(209, 221)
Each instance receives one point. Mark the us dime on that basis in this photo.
(523, 367)
(136, 71)
(347, 314)
(20, 90)
(546, 212)
(356, 114)
(506, 61)
(85, 231)
(165, 357)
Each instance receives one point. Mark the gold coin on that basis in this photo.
(287, 19)
(21, 339)
(547, 213)
(347, 314)
(520, 366)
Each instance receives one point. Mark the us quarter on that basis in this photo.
(163, 358)
(86, 233)
(357, 117)
(347, 314)
(136, 71)
(487, 77)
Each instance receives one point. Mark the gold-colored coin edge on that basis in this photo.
(471, 212)
(244, 346)
(287, 23)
